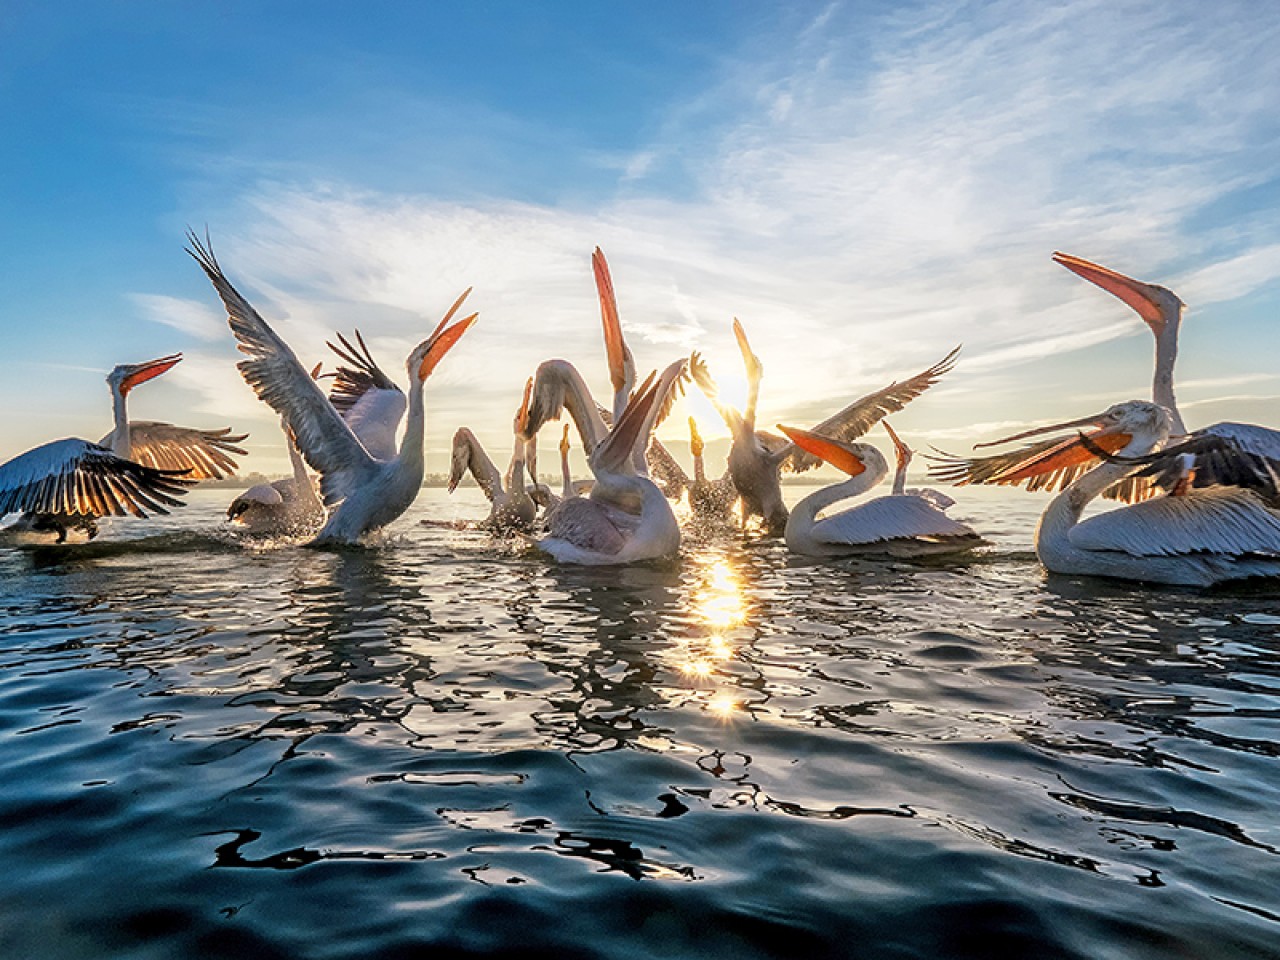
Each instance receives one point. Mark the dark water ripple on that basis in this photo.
(445, 746)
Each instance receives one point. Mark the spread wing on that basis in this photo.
(861, 415)
(370, 401)
(79, 477)
(893, 517)
(284, 384)
(1222, 520)
(1225, 454)
(665, 469)
(207, 454)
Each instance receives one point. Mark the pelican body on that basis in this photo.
(903, 524)
(626, 518)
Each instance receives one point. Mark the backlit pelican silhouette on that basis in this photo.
(626, 518)
(757, 458)
(1204, 537)
(511, 506)
(1226, 452)
(179, 451)
(902, 524)
(362, 490)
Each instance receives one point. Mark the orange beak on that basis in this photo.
(834, 453)
(1069, 453)
(903, 451)
(148, 371)
(522, 415)
(615, 347)
(442, 340)
(1135, 293)
(695, 439)
(564, 442)
(749, 359)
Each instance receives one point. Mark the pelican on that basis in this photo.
(1205, 537)
(512, 506)
(626, 518)
(1224, 452)
(903, 524)
(364, 484)
(286, 506)
(179, 451)
(756, 458)
(69, 484)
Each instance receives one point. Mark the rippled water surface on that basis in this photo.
(443, 745)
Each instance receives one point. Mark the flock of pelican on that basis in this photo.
(1203, 506)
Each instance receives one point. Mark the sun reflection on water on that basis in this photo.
(719, 606)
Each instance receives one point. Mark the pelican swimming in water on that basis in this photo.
(1204, 537)
(72, 483)
(288, 506)
(1222, 453)
(626, 517)
(365, 481)
(902, 524)
(512, 508)
(757, 458)
(177, 451)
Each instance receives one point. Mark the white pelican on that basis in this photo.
(756, 458)
(363, 488)
(1204, 537)
(512, 508)
(287, 506)
(1226, 452)
(903, 524)
(626, 518)
(190, 453)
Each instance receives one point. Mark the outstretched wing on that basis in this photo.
(1222, 520)
(370, 401)
(284, 384)
(206, 454)
(1225, 454)
(861, 415)
(78, 477)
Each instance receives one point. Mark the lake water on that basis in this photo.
(445, 746)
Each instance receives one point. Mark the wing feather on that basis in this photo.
(284, 384)
(207, 454)
(895, 517)
(370, 402)
(861, 415)
(74, 476)
(1221, 520)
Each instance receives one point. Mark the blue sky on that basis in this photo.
(865, 185)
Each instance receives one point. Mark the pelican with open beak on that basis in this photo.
(1207, 536)
(901, 524)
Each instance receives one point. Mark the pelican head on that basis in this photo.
(851, 458)
(128, 375)
(460, 457)
(904, 453)
(564, 441)
(1158, 306)
(431, 351)
(1114, 429)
